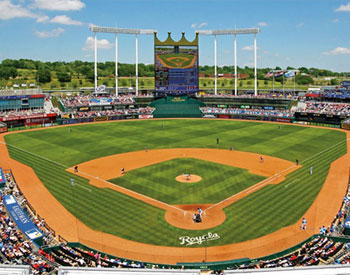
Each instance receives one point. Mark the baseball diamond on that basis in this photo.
(140, 207)
(179, 60)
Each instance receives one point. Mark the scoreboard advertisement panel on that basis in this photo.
(176, 68)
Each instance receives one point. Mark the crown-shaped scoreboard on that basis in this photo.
(176, 65)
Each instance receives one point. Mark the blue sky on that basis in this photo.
(310, 33)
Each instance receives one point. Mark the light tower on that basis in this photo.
(136, 32)
(233, 32)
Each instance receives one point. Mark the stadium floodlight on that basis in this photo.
(136, 32)
(234, 32)
(229, 31)
(121, 30)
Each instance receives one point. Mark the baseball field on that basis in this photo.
(134, 206)
(177, 60)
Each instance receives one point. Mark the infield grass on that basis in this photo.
(158, 181)
(49, 152)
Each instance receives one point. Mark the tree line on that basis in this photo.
(65, 71)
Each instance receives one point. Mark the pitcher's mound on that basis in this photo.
(188, 178)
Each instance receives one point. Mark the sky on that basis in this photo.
(296, 33)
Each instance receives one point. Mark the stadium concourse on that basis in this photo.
(51, 254)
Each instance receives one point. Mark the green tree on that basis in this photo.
(123, 83)
(303, 70)
(64, 77)
(7, 72)
(303, 80)
(335, 82)
(43, 75)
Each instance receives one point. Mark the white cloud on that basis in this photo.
(337, 51)
(345, 8)
(59, 5)
(101, 44)
(49, 34)
(201, 25)
(301, 24)
(262, 24)
(42, 19)
(10, 11)
(65, 20)
(249, 48)
(336, 20)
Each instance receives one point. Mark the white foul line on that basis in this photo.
(291, 182)
(131, 191)
(60, 164)
(279, 174)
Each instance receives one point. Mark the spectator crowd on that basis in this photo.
(87, 114)
(326, 108)
(254, 112)
(88, 100)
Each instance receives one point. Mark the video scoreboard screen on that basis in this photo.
(176, 69)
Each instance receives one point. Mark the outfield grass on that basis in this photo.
(158, 181)
(260, 213)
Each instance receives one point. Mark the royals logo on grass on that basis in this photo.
(187, 240)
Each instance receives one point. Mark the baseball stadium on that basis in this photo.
(175, 179)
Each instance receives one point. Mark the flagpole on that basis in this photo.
(294, 82)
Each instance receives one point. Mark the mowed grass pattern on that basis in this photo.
(260, 213)
(158, 181)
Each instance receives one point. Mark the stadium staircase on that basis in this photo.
(177, 106)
